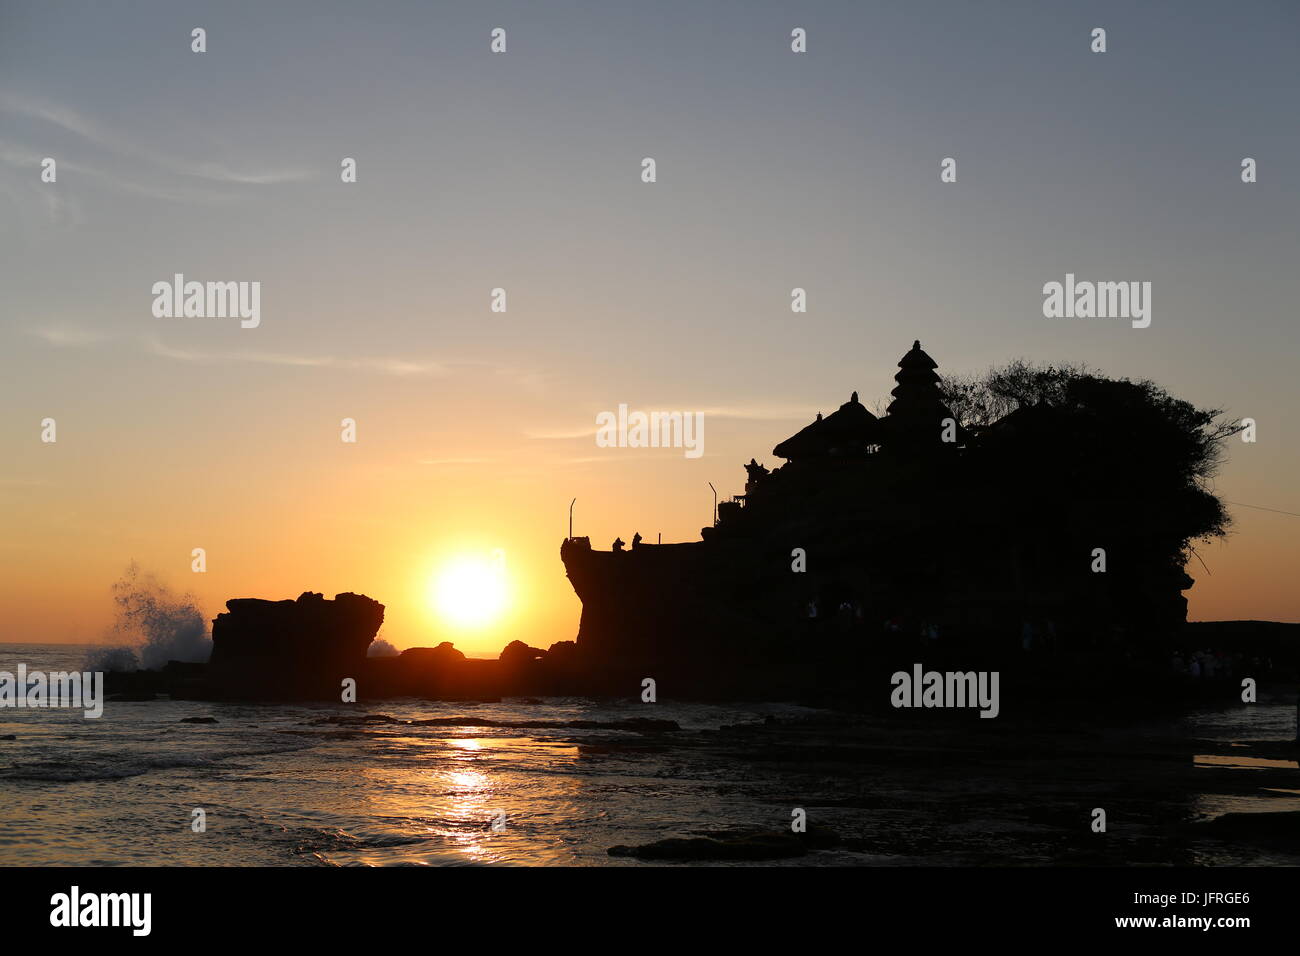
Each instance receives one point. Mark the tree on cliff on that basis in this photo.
(1054, 430)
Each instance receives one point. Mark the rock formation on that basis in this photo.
(444, 673)
(291, 649)
(1051, 535)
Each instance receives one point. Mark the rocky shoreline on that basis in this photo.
(314, 648)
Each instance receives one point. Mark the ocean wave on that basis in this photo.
(152, 627)
(119, 767)
(640, 724)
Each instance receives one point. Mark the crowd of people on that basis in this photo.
(1209, 664)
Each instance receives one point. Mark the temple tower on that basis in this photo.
(917, 412)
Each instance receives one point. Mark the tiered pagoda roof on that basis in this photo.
(917, 412)
(846, 433)
(918, 407)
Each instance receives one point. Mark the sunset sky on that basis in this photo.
(522, 171)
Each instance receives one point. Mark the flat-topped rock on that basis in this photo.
(291, 649)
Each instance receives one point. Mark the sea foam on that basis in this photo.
(152, 626)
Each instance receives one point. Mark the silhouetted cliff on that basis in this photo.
(303, 648)
(1051, 529)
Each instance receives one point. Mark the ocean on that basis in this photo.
(312, 785)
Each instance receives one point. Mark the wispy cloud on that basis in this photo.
(756, 413)
(386, 366)
(25, 190)
(65, 336)
(456, 461)
(115, 160)
(106, 138)
(68, 336)
(587, 431)
(622, 456)
(762, 413)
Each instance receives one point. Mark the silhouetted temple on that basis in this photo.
(876, 529)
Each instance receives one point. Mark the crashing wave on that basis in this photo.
(153, 626)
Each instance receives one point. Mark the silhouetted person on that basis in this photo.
(636, 540)
(619, 544)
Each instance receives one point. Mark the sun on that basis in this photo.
(470, 591)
